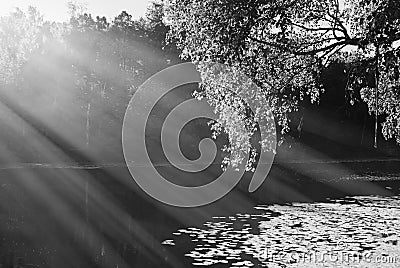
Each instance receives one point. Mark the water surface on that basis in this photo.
(349, 232)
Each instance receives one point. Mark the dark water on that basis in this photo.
(97, 217)
(349, 232)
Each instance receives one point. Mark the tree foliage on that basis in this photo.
(283, 46)
(21, 34)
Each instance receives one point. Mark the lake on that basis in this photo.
(95, 216)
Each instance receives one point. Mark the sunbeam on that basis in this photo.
(304, 103)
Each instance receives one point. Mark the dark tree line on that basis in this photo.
(76, 78)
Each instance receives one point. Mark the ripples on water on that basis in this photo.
(350, 232)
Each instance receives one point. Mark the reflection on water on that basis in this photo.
(351, 232)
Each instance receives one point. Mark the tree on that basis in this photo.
(157, 32)
(21, 35)
(284, 45)
(110, 61)
(157, 29)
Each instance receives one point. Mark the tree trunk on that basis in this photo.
(300, 126)
(363, 130)
(87, 201)
(88, 124)
(376, 96)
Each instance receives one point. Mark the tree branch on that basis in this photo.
(312, 29)
(287, 48)
(340, 24)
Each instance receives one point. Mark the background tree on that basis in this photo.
(110, 60)
(77, 78)
(23, 36)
